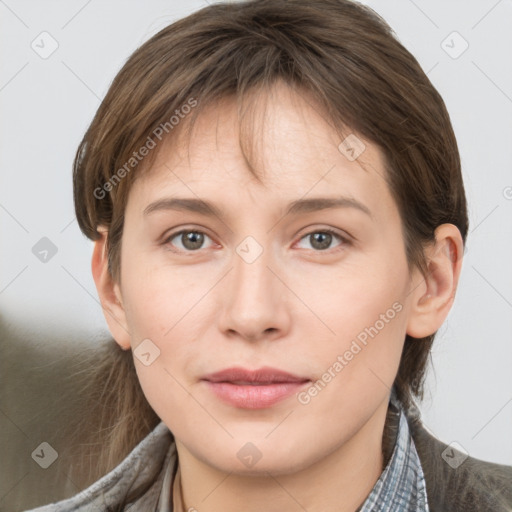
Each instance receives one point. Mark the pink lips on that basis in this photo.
(253, 389)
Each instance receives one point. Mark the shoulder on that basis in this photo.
(142, 469)
(455, 481)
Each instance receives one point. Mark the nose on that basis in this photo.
(255, 302)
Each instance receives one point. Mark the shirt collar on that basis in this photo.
(401, 486)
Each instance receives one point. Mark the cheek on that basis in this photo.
(369, 341)
(167, 319)
(355, 369)
(164, 305)
(159, 297)
(354, 298)
(364, 312)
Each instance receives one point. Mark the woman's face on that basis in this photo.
(261, 285)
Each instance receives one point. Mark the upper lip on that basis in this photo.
(265, 375)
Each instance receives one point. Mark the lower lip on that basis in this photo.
(254, 397)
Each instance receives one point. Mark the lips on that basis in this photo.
(253, 389)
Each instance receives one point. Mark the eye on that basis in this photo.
(191, 240)
(321, 239)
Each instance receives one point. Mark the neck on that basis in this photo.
(339, 482)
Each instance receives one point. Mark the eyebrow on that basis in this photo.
(300, 206)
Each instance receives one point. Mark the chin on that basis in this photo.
(258, 458)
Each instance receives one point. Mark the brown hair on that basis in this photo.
(345, 57)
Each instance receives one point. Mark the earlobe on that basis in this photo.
(109, 292)
(433, 297)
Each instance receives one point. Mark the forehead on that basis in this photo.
(281, 140)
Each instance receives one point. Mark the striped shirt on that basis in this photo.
(401, 486)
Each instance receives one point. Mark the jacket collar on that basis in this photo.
(456, 481)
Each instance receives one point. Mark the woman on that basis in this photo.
(275, 195)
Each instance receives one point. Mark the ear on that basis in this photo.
(434, 293)
(109, 292)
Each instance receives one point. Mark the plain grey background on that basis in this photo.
(48, 101)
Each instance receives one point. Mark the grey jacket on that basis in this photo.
(472, 486)
(455, 482)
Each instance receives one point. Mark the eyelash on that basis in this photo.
(345, 241)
